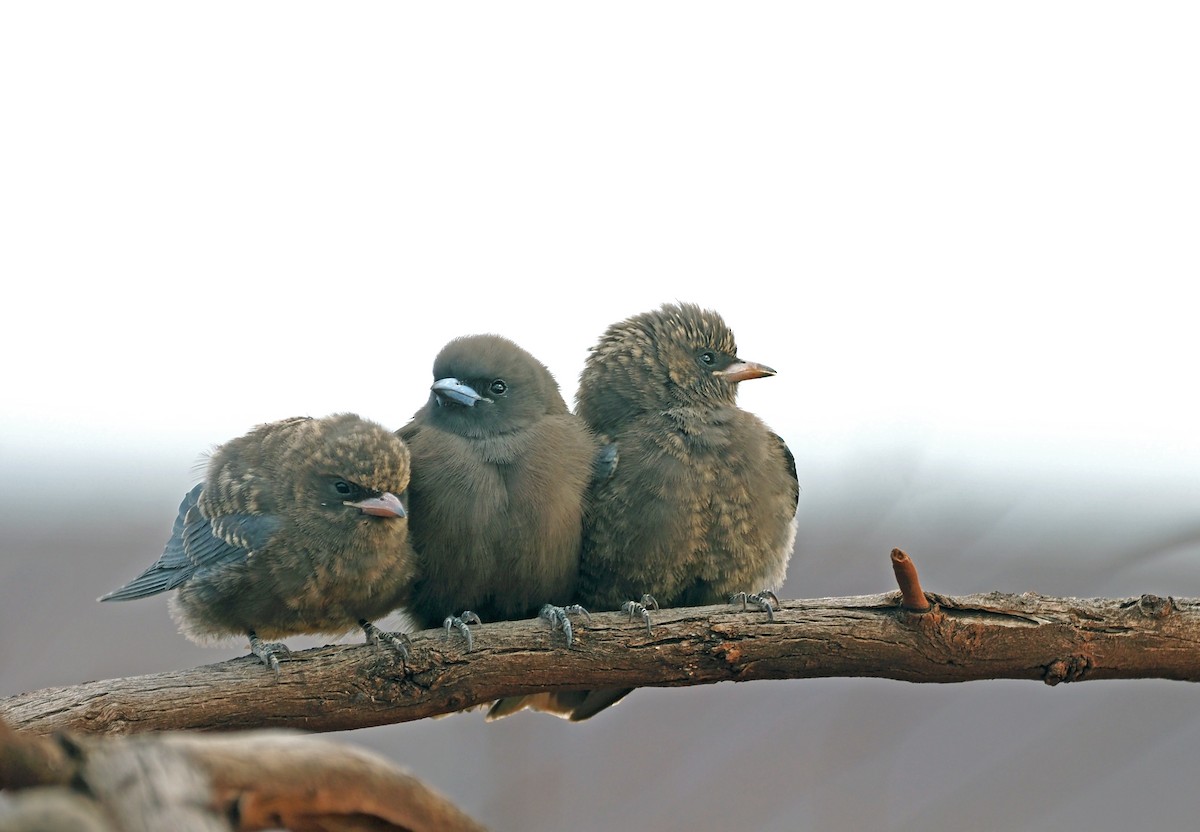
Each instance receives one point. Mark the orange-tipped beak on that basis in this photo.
(385, 505)
(744, 371)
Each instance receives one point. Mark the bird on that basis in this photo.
(299, 526)
(697, 499)
(500, 467)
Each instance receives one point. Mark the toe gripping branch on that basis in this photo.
(641, 609)
(397, 641)
(460, 622)
(765, 600)
(268, 652)
(557, 616)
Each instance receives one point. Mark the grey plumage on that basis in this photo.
(500, 467)
(297, 528)
(701, 501)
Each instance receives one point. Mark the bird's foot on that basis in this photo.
(765, 600)
(558, 618)
(268, 651)
(399, 642)
(460, 622)
(641, 609)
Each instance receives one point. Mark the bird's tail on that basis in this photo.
(573, 705)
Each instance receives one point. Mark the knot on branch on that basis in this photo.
(1070, 669)
(1154, 606)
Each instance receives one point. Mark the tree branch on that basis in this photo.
(212, 783)
(992, 636)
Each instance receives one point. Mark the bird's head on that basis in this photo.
(676, 356)
(349, 469)
(486, 385)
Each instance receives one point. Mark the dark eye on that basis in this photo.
(498, 387)
(708, 358)
(344, 488)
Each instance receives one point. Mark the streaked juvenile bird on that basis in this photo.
(700, 500)
(500, 467)
(298, 527)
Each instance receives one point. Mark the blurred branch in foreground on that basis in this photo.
(989, 636)
(256, 780)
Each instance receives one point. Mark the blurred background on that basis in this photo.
(965, 236)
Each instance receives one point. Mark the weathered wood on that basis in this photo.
(992, 636)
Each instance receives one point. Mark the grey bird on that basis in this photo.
(298, 527)
(500, 468)
(698, 501)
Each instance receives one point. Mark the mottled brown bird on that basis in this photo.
(700, 500)
(500, 467)
(298, 527)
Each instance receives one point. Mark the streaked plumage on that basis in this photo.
(298, 527)
(701, 502)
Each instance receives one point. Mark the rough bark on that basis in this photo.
(992, 636)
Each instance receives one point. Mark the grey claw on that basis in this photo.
(460, 622)
(400, 642)
(578, 610)
(268, 651)
(763, 600)
(557, 616)
(641, 610)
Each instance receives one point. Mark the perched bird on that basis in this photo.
(500, 467)
(698, 501)
(298, 527)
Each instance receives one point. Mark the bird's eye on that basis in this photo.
(708, 358)
(498, 387)
(344, 490)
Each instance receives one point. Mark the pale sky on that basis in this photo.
(971, 227)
